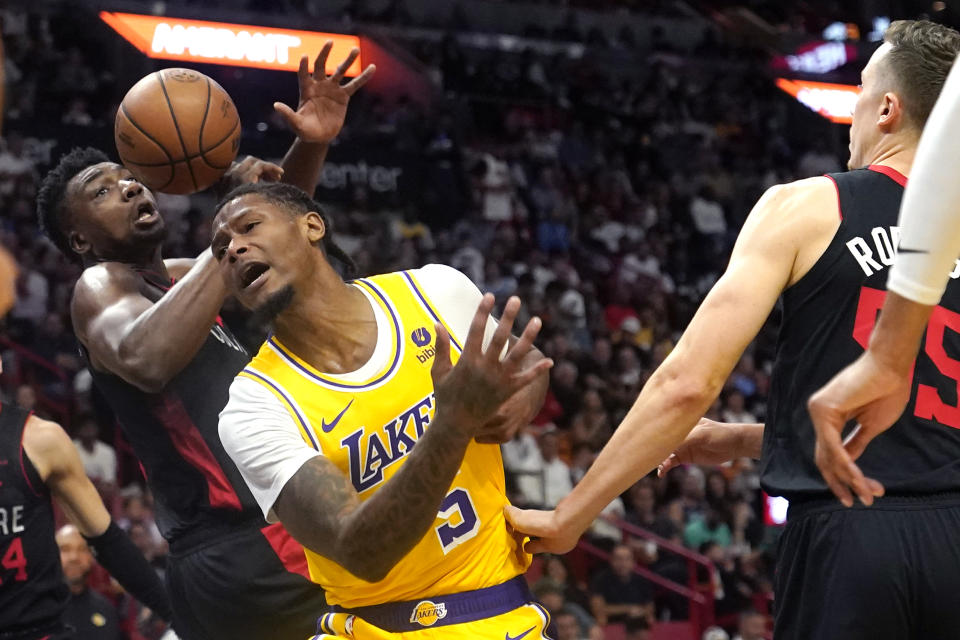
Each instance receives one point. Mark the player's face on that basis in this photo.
(262, 249)
(111, 214)
(864, 133)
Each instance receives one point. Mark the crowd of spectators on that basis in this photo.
(608, 202)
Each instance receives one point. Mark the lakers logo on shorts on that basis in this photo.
(427, 613)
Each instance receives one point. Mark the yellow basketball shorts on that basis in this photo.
(503, 612)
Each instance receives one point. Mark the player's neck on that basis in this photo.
(330, 324)
(897, 155)
(151, 262)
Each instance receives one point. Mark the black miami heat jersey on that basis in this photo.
(828, 317)
(196, 487)
(33, 594)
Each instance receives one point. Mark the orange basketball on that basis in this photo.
(177, 131)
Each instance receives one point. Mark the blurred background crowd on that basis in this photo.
(598, 165)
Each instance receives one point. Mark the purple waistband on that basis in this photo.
(440, 611)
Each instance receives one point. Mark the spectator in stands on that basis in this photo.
(555, 472)
(555, 568)
(638, 629)
(817, 161)
(618, 593)
(567, 627)
(753, 626)
(33, 293)
(641, 504)
(709, 528)
(735, 408)
(582, 456)
(89, 613)
(550, 594)
(715, 633)
(137, 512)
(522, 459)
(99, 459)
(26, 398)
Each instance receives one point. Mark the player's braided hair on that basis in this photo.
(921, 56)
(298, 202)
(51, 198)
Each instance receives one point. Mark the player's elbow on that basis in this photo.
(145, 373)
(689, 389)
(365, 565)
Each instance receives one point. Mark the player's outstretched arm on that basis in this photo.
(318, 504)
(56, 460)
(713, 442)
(691, 377)
(144, 342)
(319, 116)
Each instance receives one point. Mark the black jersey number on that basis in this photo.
(929, 404)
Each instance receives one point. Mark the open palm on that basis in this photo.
(323, 100)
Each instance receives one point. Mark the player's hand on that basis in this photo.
(323, 100)
(250, 170)
(514, 414)
(708, 443)
(548, 534)
(470, 393)
(870, 393)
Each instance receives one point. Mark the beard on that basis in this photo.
(273, 306)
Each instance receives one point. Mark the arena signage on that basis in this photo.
(835, 102)
(817, 57)
(229, 44)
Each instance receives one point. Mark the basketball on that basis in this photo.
(177, 131)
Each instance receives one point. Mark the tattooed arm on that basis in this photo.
(320, 508)
(319, 505)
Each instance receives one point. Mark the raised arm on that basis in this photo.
(688, 381)
(321, 508)
(319, 116)
(144, 342)
(56, 460)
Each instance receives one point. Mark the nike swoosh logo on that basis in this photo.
(510, 637)
(328, 427)
(906, 250)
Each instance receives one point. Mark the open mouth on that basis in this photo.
(146, 210)
(251, 273)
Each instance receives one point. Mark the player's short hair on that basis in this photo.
(51, 198)
(921, 56)
(297, 202)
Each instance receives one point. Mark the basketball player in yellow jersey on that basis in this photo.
(323, 421)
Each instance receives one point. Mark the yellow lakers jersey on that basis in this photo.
(367, 428)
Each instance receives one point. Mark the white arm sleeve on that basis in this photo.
(930, 215)
(456, 299)
(261, 437)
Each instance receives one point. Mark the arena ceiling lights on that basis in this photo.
(229, 44)
(834, 102)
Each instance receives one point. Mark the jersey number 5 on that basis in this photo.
(461, 518)
(929, 405)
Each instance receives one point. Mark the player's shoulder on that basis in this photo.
(247, 390)
(801, 193)
(100, 286)
(102, 278)
(798, 208)
(46, 444)
(441, 278)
